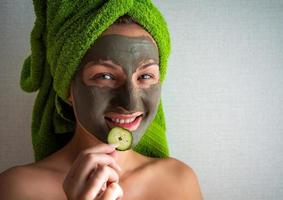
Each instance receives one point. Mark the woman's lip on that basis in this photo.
(132, 126)
(123, 116)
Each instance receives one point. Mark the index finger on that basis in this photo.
(100, 148)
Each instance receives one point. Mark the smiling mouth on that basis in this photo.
(129, 122)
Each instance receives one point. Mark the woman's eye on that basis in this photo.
(145, 77)
(103, 76)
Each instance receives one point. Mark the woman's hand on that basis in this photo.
(94, 175)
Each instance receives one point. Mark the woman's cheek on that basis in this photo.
(151, 96)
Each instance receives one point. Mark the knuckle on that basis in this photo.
(96, 176)
(90, 156)
(116, 188)
(112, 160)
(113, 186)
(120, 191)
(94, 182)
(105, 169)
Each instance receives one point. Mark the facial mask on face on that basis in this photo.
(93, 103)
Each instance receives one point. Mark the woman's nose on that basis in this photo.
(127, 97)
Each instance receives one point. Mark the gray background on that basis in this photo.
(223, 95)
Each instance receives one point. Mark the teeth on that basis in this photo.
(123, 121)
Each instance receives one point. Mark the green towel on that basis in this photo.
(63, 31)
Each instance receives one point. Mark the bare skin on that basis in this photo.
(87, 169)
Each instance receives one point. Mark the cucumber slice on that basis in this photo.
(120, 136)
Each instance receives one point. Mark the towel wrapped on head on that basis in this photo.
(63, 32)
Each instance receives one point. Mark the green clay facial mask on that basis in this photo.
(114, 94)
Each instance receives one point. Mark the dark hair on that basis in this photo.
(125, 19)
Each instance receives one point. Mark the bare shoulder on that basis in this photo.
(16, 182)
(25, 182)
(181, 177)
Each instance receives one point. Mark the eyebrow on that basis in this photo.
(147, 65)
(108, 65)
(114, 66)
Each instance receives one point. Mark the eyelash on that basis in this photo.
(151, 76)
(101, 76)
(143, 79)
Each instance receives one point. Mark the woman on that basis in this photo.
(117, 83)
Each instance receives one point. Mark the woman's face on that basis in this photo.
(118, 83)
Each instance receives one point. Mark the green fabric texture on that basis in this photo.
(63, 32)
